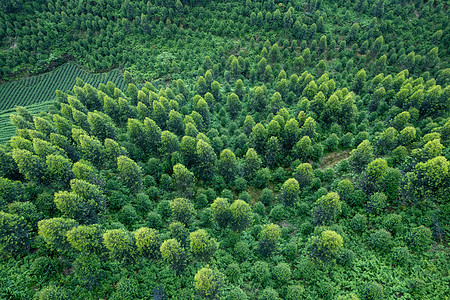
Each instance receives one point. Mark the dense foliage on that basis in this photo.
(260, 150)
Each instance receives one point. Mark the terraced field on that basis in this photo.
(37, 93)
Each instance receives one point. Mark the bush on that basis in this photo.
(233, 273)
(240, 184)
(358, 223)
(277, 213)
(400, 255)
(269, 294)
(208, 282)
(126, 289)
(127, 215)
(291, 250)
(14, 235)
(245, 196)
(261, 272)
(377, 202)
(236, 293)
(242, 250)
(393, 223)
(282, 273)
(345, 257)
(380, 240)
(372, 291)
(295, 292)
(267, 196)
(154, 220)
(419, 238)
(52, 292)
(326, 246)
(259, 209)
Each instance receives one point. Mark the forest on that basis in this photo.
(246, 150)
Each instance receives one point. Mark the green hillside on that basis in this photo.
(250, 150)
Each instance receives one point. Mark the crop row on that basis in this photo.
(37, 92)
(42, 88)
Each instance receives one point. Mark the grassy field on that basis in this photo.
(37, 93)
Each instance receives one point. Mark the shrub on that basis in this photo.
(419, 238)
(277, 213)
(208, 282)
(268, 239)
(282, 273)
(377, 202)
(259, 209)
(345, 257)
(128, 215)
(201, 244)
(291, 250)
(126, 289)
(400, 255)
(242, 250)
(236, 293)
(358, 223)
(245, 196)
(154, 220)
(14, 234)
(269, 294)
(380, 240)
(393, 223)
(240, 184)
(52, 292)
(295, 292)
(372, 291)
(267, 196)
(233, 273)
(261, 272)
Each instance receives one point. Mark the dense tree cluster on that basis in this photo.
(287, 162)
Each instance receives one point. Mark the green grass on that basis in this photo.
(37, 93)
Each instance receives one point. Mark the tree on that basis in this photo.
(172, 252)
(252, 163)
(268, 239)
(227, 165)
(208, 282)
(86, 239)
(304, 175)
(258, 137)
(169, 143)
(58, 169)
(206, 160)
(101, 126)
(184, 179)
(233, 105)
(359, 81)
(88, 271)
(221, 211)
(324, 247)
(387, 141)
(147, 242)
(120, 243)
(327, 208)
(182, 210)
(376, 170)
(202, 245)
(14, 235)
(361, 156)
(31, 166)
(54, 231)
(240, 215)
(419, 238)
(130, 173)
(92, 150)
(290, 192)
(188, 148)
